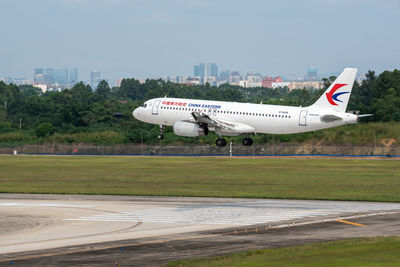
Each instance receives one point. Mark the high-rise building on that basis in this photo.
(38, 76)
(224, 76)
(72, 75)
(312, 74)
(61, 76)
(39, 71)
(199, 70)
(50, 75)
(202, 70)
(212, 70)
(65, 77)
(95, 78)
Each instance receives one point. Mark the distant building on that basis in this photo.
(6, 80)
(234, 78)
(21, 81)
(50, 74)
(203, 70)
(267, 81)
(61, 76)
(224, 76)
(280, 84)
(212, 70)
(212, 80)
(188, 80)
(199, 70)
(254, 77)
(42, 87)
(306, 84)
(95, 79)
(118, 82)
(312, 74)
(64, 77)
(72, 76)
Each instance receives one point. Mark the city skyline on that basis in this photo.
(59, 78)
(143, 39)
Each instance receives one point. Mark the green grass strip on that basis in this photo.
(377, 251)
(293, 178)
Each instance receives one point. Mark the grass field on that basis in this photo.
(380, 251)
(298, 178)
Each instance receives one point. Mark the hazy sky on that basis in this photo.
(147, 38)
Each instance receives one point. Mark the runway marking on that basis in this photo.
(136, 244)
(352, 223)
(212, 215)
(14, 204)
(235, 214)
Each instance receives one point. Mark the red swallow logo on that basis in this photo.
(331, 96)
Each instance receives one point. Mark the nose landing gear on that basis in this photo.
(160, 136)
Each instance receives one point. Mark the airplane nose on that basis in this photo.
(135, 113)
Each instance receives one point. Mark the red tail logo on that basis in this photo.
(332, 96)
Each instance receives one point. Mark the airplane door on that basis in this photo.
(303, 118)
(156, 104)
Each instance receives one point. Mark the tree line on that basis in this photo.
(74, 114)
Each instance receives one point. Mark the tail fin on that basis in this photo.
(338, 94)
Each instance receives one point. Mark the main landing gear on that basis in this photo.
(221, 142)
(160, 136)
(247, 141)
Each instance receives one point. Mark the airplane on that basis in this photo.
(192, 117)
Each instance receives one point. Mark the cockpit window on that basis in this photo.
(144, 105)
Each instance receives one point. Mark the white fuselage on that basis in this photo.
(271, 119)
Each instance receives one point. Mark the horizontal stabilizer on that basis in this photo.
(365, 115)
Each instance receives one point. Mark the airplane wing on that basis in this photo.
(228, 126)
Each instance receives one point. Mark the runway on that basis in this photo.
(35, 224)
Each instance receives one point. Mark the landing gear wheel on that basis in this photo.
(161, 135)
(221, 142)
(247, 141)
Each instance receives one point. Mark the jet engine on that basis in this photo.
(189, 129)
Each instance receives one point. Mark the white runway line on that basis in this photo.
(240, 214)
(44, 205)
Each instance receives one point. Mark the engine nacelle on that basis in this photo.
(189, 129)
